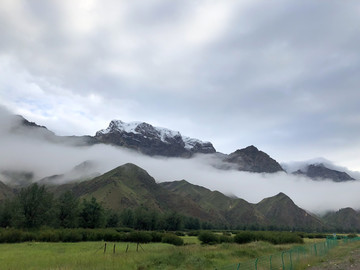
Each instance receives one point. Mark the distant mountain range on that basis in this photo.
(154, 141)
(129, 186)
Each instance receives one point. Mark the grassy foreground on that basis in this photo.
(91, 256)
(344, 256)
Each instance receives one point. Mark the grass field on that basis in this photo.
(344, 256)
(90, 255)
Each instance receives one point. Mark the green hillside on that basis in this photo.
(280, 210)
(129, 186)
(235, 211)
(346, 219)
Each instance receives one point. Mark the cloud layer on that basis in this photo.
(30, 153)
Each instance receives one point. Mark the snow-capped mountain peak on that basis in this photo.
(152, 140)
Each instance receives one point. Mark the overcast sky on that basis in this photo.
(281, 75)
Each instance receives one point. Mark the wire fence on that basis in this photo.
(288, 260)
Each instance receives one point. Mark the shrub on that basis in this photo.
(226, 239)
(71, 235)
(227, 233)
(352, 235)
(244, 237)
(48, 236)
(193, 233)
(156, 236)
(124, 229)
(11, 236)
(172, 239)
(139, 237)
(112, 236)
(208, 238)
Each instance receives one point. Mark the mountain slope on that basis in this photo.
(21, 126)
(281, 211)
(346, 219)
(151, 140)
(129, 186)
(235, 211)
(320, 171)
(252, 160)
(84, 171)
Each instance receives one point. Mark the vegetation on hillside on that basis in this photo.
(35, 207)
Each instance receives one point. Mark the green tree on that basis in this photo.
(142, 219)
(173, 221)
(112, 219)
(191, 223)
(92, 214)
(6, 213)
(127, 218)
(68, 210)
(36, 206)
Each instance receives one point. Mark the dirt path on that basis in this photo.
(349, 259)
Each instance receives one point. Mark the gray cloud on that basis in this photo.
(281, 75)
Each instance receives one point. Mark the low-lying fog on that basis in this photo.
(28, 153)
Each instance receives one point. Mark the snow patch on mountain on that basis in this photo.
(118, 125)
(149, 131)
(190, 143)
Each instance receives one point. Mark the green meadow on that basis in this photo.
(91, 256)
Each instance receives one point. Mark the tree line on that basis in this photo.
(35, 207)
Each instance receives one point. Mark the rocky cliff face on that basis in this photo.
(151, 140)
(252, 160)
(319, 171)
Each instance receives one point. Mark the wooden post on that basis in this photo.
(104, 248)
(127, 247)
(114, 249)
(137, 247)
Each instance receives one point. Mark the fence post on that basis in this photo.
(291, 264)
(315, 250)
(238, 267)
(270, 262)
(256, 262)
(282, 260)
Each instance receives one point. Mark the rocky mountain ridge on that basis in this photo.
(151, 140)
(320, 172)
(154, 141)
(252, 159)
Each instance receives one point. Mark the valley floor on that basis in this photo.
(91, 256)
(156, 256)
